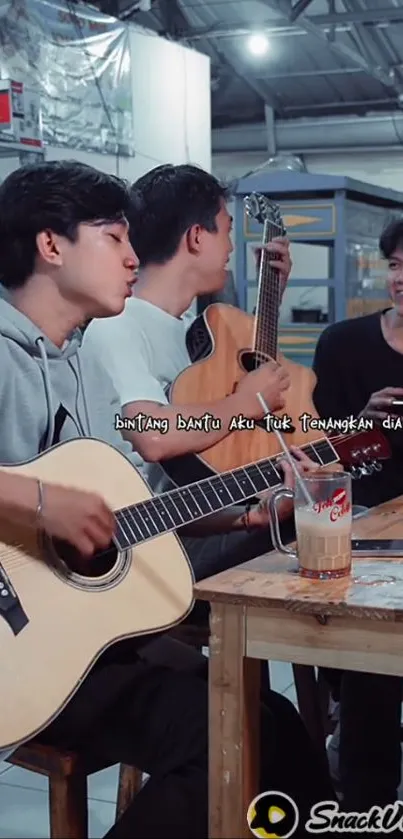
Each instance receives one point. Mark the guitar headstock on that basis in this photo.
(262, 209)
(362, 453)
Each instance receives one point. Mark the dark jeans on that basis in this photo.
(148, 708)
(212, 554)
(370, 750)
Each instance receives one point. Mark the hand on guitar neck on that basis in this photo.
(279, 251)
(269, 379)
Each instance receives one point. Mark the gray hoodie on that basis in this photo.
(36, 378)
(43, 387)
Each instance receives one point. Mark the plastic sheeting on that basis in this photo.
(79, 62)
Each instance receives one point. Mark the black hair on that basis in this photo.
(391, 238)
(56, 196)
(166, 202)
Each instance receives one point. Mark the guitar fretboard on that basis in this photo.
(181, 506)
(267, 307)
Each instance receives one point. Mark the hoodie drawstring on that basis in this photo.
(86, 411)
(48, 390)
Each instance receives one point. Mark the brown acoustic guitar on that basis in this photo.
(224, 343)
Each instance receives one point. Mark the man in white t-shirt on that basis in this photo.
(181, 230)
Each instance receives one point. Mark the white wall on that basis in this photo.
(377, 168)
(171, 111)
(171, 102)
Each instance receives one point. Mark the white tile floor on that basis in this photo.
(24, 803)
(24, 800)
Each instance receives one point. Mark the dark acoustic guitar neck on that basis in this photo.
(268, 302)
(181, 506)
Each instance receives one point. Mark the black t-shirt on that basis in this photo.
(352, 361)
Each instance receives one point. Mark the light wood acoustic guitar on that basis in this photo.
(224, 343)
(58, 613)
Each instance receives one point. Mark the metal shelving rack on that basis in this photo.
(25, 154)
(346, 216)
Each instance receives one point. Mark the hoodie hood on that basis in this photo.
(19, 331)
(17, 327)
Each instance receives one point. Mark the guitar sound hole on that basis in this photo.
(92, 567)
(251, 360)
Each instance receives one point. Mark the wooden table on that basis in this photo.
(264, 610)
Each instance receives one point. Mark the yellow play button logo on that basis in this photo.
(276, 815)
(273, 815)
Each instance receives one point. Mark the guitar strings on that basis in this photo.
(268, 302)
(16, 562)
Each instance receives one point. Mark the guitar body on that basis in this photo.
(70, 622)
(219, 345)
(224, 345)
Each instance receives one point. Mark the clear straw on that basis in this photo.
(287, 453)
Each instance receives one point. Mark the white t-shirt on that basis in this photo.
(143, 350)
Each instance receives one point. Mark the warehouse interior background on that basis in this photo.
(235, 87)
(243, 88)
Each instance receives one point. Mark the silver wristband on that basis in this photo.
(39, 509)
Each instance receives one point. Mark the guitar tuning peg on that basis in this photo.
(377, 467)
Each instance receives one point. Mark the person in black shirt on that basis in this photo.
(356, 362)
(359, 369)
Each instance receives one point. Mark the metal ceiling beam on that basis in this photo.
(236, 67)
(174, 22)
(270, 128)
(266, 95)
(337, 48)
(358, 105)
(306, 74)
(373, 43)
(177, 26)
(371, 17)
(390, 57)
(298, 8)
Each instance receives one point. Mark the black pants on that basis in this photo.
(149, 708)
(212, 554)
(370, 749)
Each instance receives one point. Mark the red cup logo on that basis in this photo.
(339, 496)
(338, 505)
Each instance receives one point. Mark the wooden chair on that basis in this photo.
(68, 794)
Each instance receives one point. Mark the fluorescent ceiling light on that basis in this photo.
(258, 44)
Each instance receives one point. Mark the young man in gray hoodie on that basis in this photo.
(65, 257)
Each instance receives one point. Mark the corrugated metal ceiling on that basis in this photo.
(337, 56)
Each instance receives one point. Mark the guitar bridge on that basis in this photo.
(11, 609)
